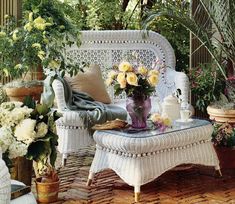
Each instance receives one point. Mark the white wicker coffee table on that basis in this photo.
(140, 157)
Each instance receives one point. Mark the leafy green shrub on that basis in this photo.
(206, 84)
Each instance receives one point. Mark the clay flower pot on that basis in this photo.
(47, 192)
(220, 115)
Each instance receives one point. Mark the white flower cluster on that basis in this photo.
(11, 113)
(17, 130)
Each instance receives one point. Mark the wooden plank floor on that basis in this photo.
(195, 185)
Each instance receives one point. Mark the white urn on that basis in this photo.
(171, 107)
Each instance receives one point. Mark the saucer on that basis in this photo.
(183, 121)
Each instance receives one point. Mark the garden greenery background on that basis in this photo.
(125, 14)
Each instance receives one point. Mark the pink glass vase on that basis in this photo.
(138, 109)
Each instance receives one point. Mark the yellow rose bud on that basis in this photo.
(54, 64)
(132, 79)
(41, 55)
(6, 16)
(18, 66)
(28, 27)
(153, 79)
(6, 72)
(112, 74)
(36, 45)
(31, 16)
(2, 34)
(167, 121)
(153, 72)
(125, 67)
(45, 40)
(142, 70)
(121, 80)
(109, 81)
(14, 36)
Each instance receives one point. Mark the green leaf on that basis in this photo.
(42, 109)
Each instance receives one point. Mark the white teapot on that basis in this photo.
(171, 107)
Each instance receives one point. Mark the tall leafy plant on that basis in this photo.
(219, 38)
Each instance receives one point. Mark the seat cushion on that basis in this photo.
(90, 82)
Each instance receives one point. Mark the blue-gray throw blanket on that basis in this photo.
(92, 112)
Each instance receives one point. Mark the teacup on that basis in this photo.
(185, 115)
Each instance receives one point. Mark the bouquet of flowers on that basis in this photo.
(28, 132)
(138, 82)
(135, 79)
(161, 122)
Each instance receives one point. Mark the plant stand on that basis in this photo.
(226, 157)
(22, 170)
(220, 115)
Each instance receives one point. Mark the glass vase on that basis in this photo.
(138, 109)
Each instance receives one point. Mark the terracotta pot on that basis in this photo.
(221, 115)
(226, 157)
(47, 192)
(19, 93)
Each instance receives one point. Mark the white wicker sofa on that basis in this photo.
(107, 48)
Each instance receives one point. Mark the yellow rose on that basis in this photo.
(167, 121)
(54, 64)
(6, 72)
(28, 27)
(153, 72)
(109, 81)
(125, 67)
(112, 74)
(153, 79)
(18, 66)
(155, 117)
(142, 70)
(31, 16)
(132, 79)
(2, 34)
(36, 45)
(41, 54)
(40, 23)
(121, 80)
(14, 36)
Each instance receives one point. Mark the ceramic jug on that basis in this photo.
(171, 107)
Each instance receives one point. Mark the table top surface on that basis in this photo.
(150, 131)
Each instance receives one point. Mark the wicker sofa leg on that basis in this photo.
(64, 159)
(90, 178)
(137, 193)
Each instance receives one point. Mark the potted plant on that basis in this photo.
(218, 38)
(36, 42)
(28, 130)
(224, 142)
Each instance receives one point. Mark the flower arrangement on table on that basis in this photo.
(28, 132)
(160, 122)
(138, 82)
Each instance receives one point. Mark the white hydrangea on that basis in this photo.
(41, 129)
(17, 149)
(13, 117)
(6, 138)
(24, 131)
